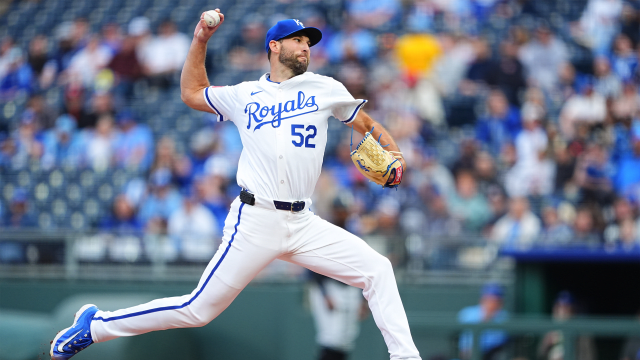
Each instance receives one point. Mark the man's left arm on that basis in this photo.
(363, 123)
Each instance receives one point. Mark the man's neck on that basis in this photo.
(280, 73)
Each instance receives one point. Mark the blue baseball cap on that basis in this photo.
(493, 289)
(284, 28)
(565, 298)
(125, 116)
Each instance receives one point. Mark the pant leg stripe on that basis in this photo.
(175, 307)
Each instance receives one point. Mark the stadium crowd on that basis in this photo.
(519, 121)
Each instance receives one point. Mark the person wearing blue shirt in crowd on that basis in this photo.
(501, 124)
(123, 220)
(492, 342)
(135, 145)
(16, 217)
(62, 144)
(162, 200)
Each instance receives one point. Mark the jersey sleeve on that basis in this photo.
(344, 106)
(221, 99)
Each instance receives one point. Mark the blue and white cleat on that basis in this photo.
(76, 338)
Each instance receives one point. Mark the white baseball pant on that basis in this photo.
(253, 237)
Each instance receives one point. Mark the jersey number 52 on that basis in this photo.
(296, 131)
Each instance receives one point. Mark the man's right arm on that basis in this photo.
(194, 76)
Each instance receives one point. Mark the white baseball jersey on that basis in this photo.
(283, 127)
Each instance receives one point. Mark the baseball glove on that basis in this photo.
(377, 164)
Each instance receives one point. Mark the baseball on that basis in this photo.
(212, 18)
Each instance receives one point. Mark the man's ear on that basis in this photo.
(274, 46)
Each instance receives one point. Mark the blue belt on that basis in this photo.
(294, 206)
(249, 199)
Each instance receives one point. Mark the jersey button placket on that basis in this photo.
(281, 145)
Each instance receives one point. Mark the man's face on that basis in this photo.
(295, 54)
(490, 304)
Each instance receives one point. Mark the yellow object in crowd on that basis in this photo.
(417, 53)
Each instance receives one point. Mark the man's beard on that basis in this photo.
(290, 60)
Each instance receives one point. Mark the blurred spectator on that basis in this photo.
(160, 203)
(18, 214)
(566, 86)
(194, 230)
(126, 67)
(134, 148)
(467, 204)
(386, 236)
(490, 310)
(587, 107)
(7, 55)
(320, 56)
(593, 175)
(164, 55)
(467, 157)
(532, 174)
(202, 145)
(482, 66)
(439, 224)
(420, 16)
(450, 68)
(434, 174)
(627, 104)
(606, 83)
(166, 157)
(249, 52)
(38, 57)
(629, 22)
(487, 174)
(584, 228)
(519, 228)
(381, 14)
(628, 174)
(102, 144)
(100, 104)
(352, 44)
(112, 37)
(210, 192)
(18, 76)
(336, 307)
(86, 63)
(598, 25)
(628, 238)
(624, 60)
(500, 125)
(80, 33)
(565, 167)
(542, 58)
(45, 115)
(63, 146)
(552, 345)
(499, 208)
(139, 29)
(624, 229)
(554, 231)
(123, 220)
(508, 73)
(27, 141)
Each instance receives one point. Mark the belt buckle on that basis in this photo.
(293, 204)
